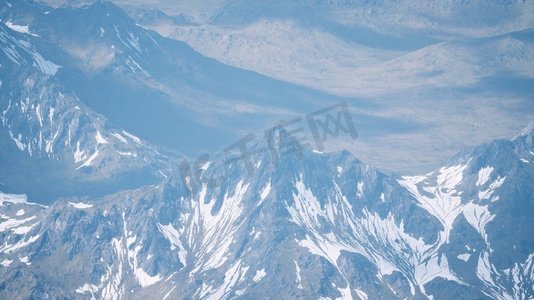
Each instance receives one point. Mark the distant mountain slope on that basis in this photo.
(75, 81)
(457, 70)
(313, 58)
(321, 44)
(53, 144)
(159, 86)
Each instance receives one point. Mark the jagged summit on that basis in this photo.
(527, 131)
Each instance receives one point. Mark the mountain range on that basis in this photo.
(314, 225)
(99, 115)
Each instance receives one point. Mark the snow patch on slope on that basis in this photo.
(173, 236)
(19, 28)
(12, 198)
(265, 192)
(100, 140)
(259, 275)
(80, 205)
(484, 175)
(211, 233)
